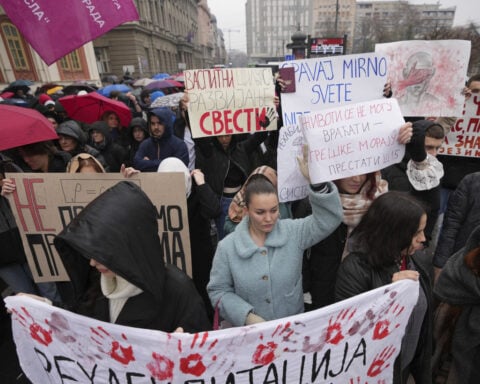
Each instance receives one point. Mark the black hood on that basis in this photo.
(118, 229)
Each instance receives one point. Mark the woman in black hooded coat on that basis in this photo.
(119, 230)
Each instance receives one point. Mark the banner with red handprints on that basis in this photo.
(353, 341)
(230, 101)
(464, 136)
(54, 29)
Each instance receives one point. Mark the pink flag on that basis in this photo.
(55, 28)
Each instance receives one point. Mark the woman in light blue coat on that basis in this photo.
(257, 269)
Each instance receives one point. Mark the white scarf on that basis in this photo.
(117, 290)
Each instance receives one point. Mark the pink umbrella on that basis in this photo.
(90, 107)
(21, 126)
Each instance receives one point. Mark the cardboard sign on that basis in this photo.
(54, 31)
(353, 140)
(428, 76)
(230, 101)
(464, 137)
(353, 341)
(322, 83)
(44, 204)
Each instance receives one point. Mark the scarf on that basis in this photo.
(236, 209)
(355, 206)
(117, 290)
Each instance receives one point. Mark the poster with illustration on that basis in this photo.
(353, 341)
(427, 76)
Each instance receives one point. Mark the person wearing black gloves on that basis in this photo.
(419, 172)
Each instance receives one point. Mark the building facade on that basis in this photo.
(384, 21)
(334, 18)
(170, 35)
(270, 25)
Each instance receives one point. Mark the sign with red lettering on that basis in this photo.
(464, 137)
(54, 29)
(353, 341)
(353, 140)
(230, 101)
(44, 204)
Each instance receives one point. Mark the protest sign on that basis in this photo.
(427, 76)
(352, 140)
(44, 204)
(353, 341)
(464, 136)
(230, 101)
(322, 83)
(54, 29)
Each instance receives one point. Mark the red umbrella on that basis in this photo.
(21, 126)
(90, 107)
(162, 84)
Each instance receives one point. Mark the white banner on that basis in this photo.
(353, 140)
(428, 76)
(322, 83)
(464, 137)
(356, 340)
(230, 101)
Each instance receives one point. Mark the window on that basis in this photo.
(71, 62)
(103, 63)
(15, 46)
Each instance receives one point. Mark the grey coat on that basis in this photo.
(268, 280)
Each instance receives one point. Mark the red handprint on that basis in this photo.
(334, 330)
(265, 353)
(358, 380)
(264, 118)
(380, 362)
(161, 368)
(382, 327)
(193, 363)
(108, 345)
(37, 332)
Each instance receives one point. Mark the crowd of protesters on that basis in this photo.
(255, 259)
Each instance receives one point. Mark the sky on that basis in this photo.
(231, 17)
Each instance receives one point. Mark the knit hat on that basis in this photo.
(43, 98)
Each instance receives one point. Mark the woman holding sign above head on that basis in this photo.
(382, 250)
(322, 260)
(257, 269)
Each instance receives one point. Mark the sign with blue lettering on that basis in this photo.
(322, 83)
(288, 57)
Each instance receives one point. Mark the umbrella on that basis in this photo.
(105, 91)
(16, 101)
(170, 101)
(162, 84)
(73, 89)
(180, 78)
(143, 82)
(21, 83)
(90, 107)
(21, 126)
(160, 76)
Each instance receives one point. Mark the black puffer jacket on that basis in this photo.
(356, 276)
(461, 217)
(215, 161)
(119, 229)
(458, 285)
